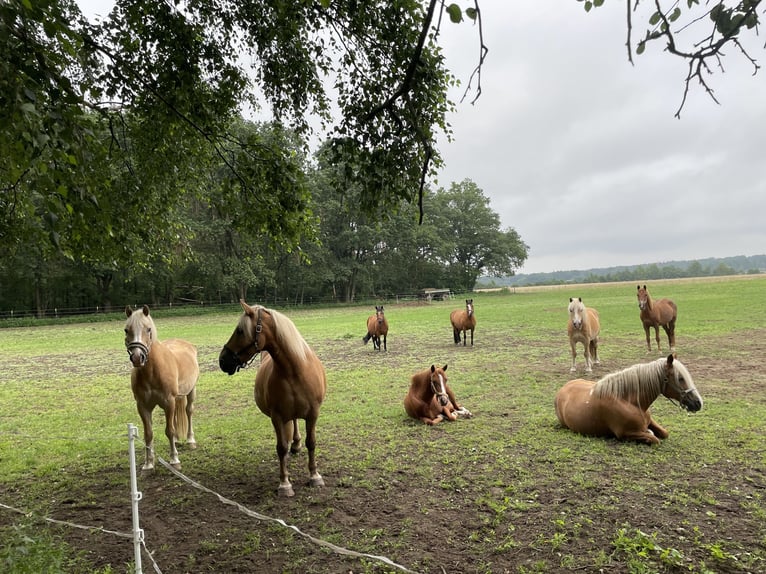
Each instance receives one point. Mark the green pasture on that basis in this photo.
(530, 496)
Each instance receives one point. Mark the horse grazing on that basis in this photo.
(618, 404)
(662, 312)
(377, 327)
(430, 399)
(583, 327)
(290, 384)
(164, 374)
(463, 320)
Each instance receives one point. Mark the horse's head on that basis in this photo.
(379, 314)
(576, 312)
(439, 384)
(679, 386)
(644, 301)
(140, 333)
(244, 343)
(469, 306)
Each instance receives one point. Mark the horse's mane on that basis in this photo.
(287, 334)
(644, 379)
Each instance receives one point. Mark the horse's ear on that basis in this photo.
(638, 287)
(644, 287)
(433, 368)
(571, 299)
(671, 357)
(244, 305)
(444, 368)
(128, 311)
(579, 299)
(146, 310)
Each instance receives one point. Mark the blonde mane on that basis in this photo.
(645, 380)
(288, 337)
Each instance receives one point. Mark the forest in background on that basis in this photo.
(709, 267)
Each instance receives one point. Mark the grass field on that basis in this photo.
(505, 491)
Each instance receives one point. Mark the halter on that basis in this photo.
(437, 393)
(247, 363)
(140, 346)
(680, 391)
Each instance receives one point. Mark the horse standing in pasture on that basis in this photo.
(659, 313)
(377, 329)
(290, 384)
(430, 399)
(463, 320)
(164, 374)
(618, 404)
(583, 327)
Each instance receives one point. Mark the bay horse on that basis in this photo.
(583, 327)
(463, 320)
(662, 312)
(430, 399)
(290, 384)
(618, 404)
(164, 374)
(377, 328)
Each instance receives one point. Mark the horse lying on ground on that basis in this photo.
(377, 327)
(164, 374)
(660, 313)
(618, 404)
(430, 399)
(290, 383)
(463, 320)
(583, 327)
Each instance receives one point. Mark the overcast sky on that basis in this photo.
(581, 154)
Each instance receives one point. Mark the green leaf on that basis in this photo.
(588, 6)
(675, 14)
(641, 47)
(654, 20)
(455, 13)
(472, 13)
(598, 3)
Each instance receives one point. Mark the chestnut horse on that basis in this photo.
(377, 327)
(430, 399)
(662, 312)
(463, 320)
(583, 327)
(164, 374)
(290, 384)
(618, 404)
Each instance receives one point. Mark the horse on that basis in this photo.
(164, 374)
(430, 399)
(618, 404)
(463, 320)
(290, 384)
(583, 327)
(377, 327)
(662, 312)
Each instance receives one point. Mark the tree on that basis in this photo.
(699, 33)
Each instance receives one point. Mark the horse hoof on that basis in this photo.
(191, 444)
(285, 491)
(316, 481)
(148, 467)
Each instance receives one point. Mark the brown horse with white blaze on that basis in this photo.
(618, 404)
(463, 320)
(430, 399)
(164, 374)
(290, 384)
(377, 329)
(660, 313)
(583, 327)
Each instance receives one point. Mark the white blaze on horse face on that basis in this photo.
(576, 309)
(443, 399)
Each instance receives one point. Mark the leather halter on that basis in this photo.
(246, 363)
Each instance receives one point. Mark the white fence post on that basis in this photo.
(135, 496)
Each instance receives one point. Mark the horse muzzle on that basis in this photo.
(229, 362)
(692, 402)
(138, 353)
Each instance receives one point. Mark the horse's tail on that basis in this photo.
(366, 338)
(181, 419)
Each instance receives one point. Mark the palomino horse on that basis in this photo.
(377, 327)
(583, 327)
(430, 399)
(290, 383)
(662, 312)
(463, 320)
(164, 374)
(618, 404)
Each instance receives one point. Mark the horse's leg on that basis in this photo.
(385, 346)
(658, 430)
(465, 337)
(657, 336)
(471, 337)
(671, 331)
(295, 445)
(170, 431)
(648, 338)
(146, 418)
(456, 335)
(315, 479)
(594, 352)
(190, 441)
(573, 345)
(282, 431)
(588, 360)
(645, 436)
